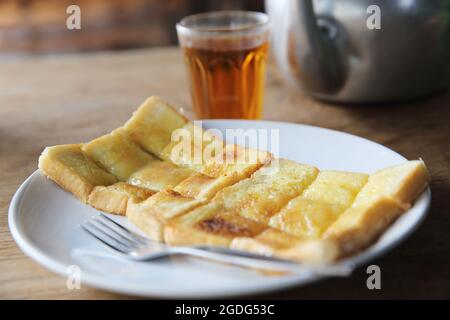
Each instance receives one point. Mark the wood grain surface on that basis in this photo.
(72, 98)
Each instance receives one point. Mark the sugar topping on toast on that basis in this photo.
(183, 185)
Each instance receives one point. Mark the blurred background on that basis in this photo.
(39, 27)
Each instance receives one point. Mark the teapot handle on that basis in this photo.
(313, 55)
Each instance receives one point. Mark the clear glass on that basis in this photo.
(225, 54)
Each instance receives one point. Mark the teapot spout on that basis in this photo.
(313, 53)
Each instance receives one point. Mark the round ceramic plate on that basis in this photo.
(45, 222)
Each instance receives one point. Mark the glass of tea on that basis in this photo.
(225, 54)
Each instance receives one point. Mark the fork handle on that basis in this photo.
(261, 262)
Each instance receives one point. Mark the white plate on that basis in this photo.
(44, 220)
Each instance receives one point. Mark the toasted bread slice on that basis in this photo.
(159, 175)
(187, 195)
(189, 145)
(381, 200)
(360, 225)
(69, 167)
(267, 190)
(387, 194)
(402, 183)
(210, 224)
(236, 160)
(194, 191)
(267, 243)
(275, 243)
(200, 186)
(336, 187)
(114, 198)
(117, 154)
(215, 176)
(152, 214)
(309, 214)
(218, 194)
(152, 124)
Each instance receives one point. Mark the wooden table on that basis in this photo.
(71, 98)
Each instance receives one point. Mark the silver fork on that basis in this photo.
(133, 246)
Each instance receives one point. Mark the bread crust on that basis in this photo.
(146, 221)
(309, 214)
(387, 195)
(66, 164)
(118, 154)
(401, 183)
(358, 227)
(267, 190)
(210, 224)
(152, 214)
(152, 124)
(114, 198)
(308, 251)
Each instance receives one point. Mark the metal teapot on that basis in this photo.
(337, 50)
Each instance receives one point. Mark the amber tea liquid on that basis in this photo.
(226, 81)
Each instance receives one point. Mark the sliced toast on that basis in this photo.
(69, 167)
(118, 154)
(204, 191)
(152, 124)
(152, 214)
(387, 194)
(114, 198)
(192, 147)
(309, 214)
(402, 184)
(267, 190)
(276, 243)
(211, 224)
(374, 208)
(159, 175)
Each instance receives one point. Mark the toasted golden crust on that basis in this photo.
(267, 243)
(236, 160)
(380, 201)
(359, 226)
(117, 154)
(210, 224)
(216, 176)
(159, 175)
(200, 186)
(188, 146)
(114, 198)
(152, 214)
(195, 190)
(276, 243)
(267, 190)
(387, 194)
(311, 251)
(402, 183)
(72, 170)
(152, 124)
(189, 194)
(143, 218)
(167, 204)
(336, 187)
(309, 214)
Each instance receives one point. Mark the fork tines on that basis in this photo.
(112, 234)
